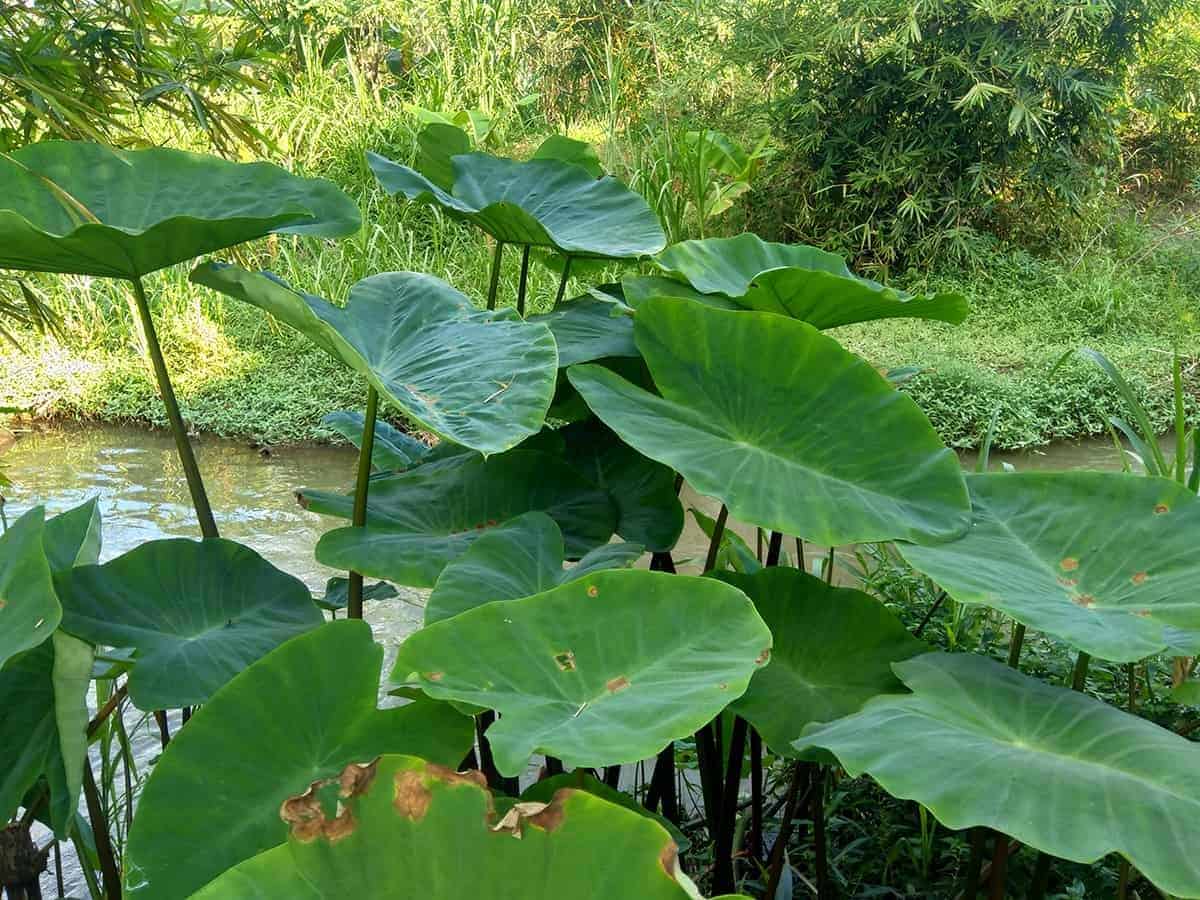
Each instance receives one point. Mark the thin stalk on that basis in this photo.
(494, 283)
(106, 710)
(612, 776)
(554, 766)
(496, 781)
(800, 555)
(1014, 647)
(756, 794)
(1132, 697)
(164, 728)
(362, 484)
(778, 849)
(937, 604)
(187, 458)
(820, 847)
(1079, 675)
(714, 545)
(723, 877)
(829, 565)
(708, 760)
(974, 863)
(523, 284)
(3, 517)
(104, 848)
(999, 873)
(562, 282)
(775, 548)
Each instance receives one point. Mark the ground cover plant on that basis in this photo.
(575, 716)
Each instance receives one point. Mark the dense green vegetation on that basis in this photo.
(1093, 249)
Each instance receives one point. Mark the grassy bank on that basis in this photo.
(1132, 293)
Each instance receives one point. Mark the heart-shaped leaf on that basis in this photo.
(611, 668)
(392, 450)
(481, 379)
(833, 652)
(648, 508)
(302, 712)
(410, 830)
(82, 208)
(1064, 773)
(1104, 560)
(197, 613)
(520, 558)
(541, 202)
(783, 425)
(581, 153)
(585, 329)
(418, 521)
(29, 608)
(798, 281)
(43, 694)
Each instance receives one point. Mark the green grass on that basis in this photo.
(239, 374)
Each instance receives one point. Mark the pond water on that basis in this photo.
(143, 496)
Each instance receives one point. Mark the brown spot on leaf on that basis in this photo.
(669, 859)
(1068, 582)
(1142, 613)
(1087, 601)
(3, 603)
(593, 591)
(1161, 508)
(722, 686)
(618, 684)
(306, 817)
(1070, 564)
(411, 798)
(763, 657)
(435, 676)
(516, 816)
(1139, 577)
(565, 661)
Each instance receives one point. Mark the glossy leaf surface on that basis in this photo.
(413, 831)
(1105, 561)
(196, 613)
(783, 425)
(392, 449)
(520, 558)
(611, 667)
(833, 652)
(29, 607)
(420, 520)
(81, 208)
(43, 695)
(798, 281)
(1066, 774)
(585, 329)
(302, 712)
(542, 202)
(481, 379)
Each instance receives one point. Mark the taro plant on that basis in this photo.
(556, 664)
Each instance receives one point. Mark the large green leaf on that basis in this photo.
(409, 830)
(418, 521)
(586, 329)
(783, 425)
(543, 792)
(392, 449)
(648, 508)
(833, 652)
(43, 725)
(73, 538)
(196, 612)
(520, 558)
(481, 379)
(798, 281)
(302, 712)
(611, 667)
(978, 743)
(542, 202)
(85, 209)
(1104, 560)
(29, 608)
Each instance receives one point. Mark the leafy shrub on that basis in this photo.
(911, 126)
